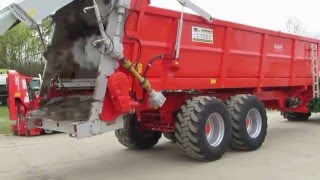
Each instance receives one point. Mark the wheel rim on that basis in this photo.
(253, 123)
(214, 129)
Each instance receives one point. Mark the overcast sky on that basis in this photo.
(271, 14)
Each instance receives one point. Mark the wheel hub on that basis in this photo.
(214, 129)
(253, 123)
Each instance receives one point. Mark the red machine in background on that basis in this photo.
(23, 97)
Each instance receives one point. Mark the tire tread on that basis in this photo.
(187, 125)
(237, 105)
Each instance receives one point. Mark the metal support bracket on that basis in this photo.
(76, 84)
(196, 9)
(109, 62)
(26, 19)
(77, 129)
(21, 15)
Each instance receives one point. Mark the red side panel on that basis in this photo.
(239, 56)
(14, 91)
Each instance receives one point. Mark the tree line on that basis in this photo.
(21, 49)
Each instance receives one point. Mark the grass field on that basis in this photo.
(5, 123)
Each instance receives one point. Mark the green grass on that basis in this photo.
(5, 123)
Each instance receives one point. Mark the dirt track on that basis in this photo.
(291, 151)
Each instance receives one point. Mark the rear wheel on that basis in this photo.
(296, 116)
(132, 137)
(249, 122)
(203, 129)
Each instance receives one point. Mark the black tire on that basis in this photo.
(295, 116)
(131, 137)
(170, 135)
(191, 128)
(239, 107)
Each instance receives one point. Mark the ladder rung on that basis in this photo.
(315, 70)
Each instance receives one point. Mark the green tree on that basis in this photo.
(21, 48)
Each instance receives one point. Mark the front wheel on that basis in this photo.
(203, 129)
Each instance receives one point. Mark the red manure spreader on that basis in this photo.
(144, 72)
